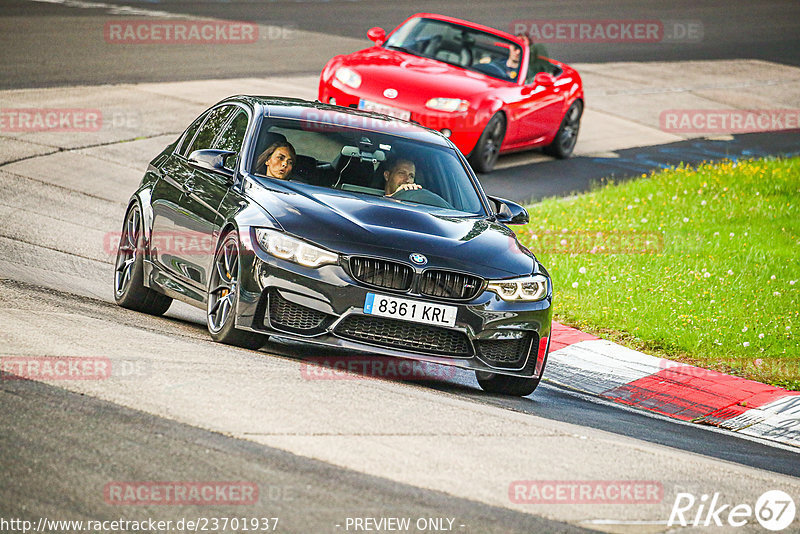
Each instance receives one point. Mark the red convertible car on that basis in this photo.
(487, 90)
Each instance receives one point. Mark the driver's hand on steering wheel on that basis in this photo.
(405, 187)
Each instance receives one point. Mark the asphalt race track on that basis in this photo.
(321, 452)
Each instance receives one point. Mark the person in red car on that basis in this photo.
(400, 177)
(510, 66)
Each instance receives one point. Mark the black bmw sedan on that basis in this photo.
(334, 226)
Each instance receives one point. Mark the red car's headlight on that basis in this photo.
(349, 77)
(447, 104)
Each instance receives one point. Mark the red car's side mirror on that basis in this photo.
(377, 35)
(544, 79)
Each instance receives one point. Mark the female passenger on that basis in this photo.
(277, 160)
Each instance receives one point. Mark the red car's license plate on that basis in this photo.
(397, 113)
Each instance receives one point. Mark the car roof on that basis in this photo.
(319, 113)
(468, 24)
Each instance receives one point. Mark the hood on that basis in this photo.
(375, 226)
(416, 78)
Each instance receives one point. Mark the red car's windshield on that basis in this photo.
(458, 45)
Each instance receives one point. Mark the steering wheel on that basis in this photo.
(422, 196)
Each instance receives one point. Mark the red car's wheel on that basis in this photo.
(485, 154)
(567, 135)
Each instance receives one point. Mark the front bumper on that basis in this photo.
(465, 127)
(326, 306)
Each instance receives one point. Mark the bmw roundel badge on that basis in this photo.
(418, 259)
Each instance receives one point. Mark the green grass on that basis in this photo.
(700, 265)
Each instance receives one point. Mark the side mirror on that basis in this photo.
(376, 35)
(211, 160)
(509, 212)
(544, 79)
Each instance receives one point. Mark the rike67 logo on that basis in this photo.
(774, 510)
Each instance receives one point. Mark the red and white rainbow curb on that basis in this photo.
(599, 367)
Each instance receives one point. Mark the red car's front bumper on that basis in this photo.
(465, 127)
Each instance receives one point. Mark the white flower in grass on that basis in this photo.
(582, 270)
(776, 294)
(772, 277)
(706, 275)
(746, 344)
(744, 329)
(613, 278)
(686, 219)
(716, 233)
(574, 285)
(730, 272)
(731, 234)
(703, 203)
(760, 336)
(792, 282)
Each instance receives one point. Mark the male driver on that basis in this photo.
(400, 177)
(512, 65)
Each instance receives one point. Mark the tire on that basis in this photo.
(223, 294)
(484, 155)
(129, 289)
(567, 136)
(506, 385)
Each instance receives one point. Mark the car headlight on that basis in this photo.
(528, 288)
(349, 77)
(285, 247)
(447, 104)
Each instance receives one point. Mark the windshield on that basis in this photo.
(366, 163)
(458, 45)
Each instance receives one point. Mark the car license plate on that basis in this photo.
(410, 310)
(397, 113)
